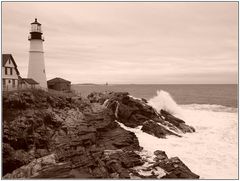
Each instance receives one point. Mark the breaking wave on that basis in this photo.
(212, 151)
(164, 101)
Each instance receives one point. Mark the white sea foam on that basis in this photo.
(211, 151)
(210, 107)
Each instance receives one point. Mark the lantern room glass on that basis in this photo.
(36, 28)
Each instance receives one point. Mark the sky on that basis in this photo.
(132, 43)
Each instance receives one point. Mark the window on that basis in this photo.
(13, 83)
(6, 71)
(9, 61)
(9, 81)
(11, 71)
(4, 82)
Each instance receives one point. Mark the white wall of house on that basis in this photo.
(9, 75)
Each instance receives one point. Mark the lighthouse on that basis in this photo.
(36, 66)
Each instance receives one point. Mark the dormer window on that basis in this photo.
(6, 72)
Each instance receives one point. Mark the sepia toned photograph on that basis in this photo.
(119, 90)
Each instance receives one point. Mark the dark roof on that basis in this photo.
(57, 80)
(6, 57)
(20, 78)
(30, 81)
(36, 22)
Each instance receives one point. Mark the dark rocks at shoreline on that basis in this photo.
(157, 130)
(131, 112)
(52, 136)
(177, 122)
(134, 112)
(175, 168)
(97, 97)
(172, 168)
(76, 135)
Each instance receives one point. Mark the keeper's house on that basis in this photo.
(59, 84)
(10, 72)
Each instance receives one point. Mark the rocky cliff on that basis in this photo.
(51, 136)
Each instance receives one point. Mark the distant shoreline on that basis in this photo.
(142, 84)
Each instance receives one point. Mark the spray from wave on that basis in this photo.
(164, 101)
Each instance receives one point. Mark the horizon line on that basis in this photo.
(155, 84)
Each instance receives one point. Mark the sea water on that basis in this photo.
(212, 151)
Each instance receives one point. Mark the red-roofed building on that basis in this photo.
(10, 72)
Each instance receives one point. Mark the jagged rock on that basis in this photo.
(134, 112)
(175, 168)
(186, 128)
(167, 168)
(118, 161)
(180, 124)
(32, 168)
(38, 125)
(157, 130)
(131, 112)
(14, 159)
(98, 97)
(160, 155)
(63, 171)
(128, 159)
(118, 138)
(170, 118)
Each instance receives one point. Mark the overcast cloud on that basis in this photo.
(128, 42)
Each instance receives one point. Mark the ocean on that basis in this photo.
(225, 95)
(212, 151)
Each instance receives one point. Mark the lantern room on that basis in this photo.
(36, 31)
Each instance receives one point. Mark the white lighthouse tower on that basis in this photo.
(36, 66)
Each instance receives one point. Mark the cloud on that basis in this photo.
(127, 42)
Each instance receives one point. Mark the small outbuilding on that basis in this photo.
(27, 83)
(59, 84)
